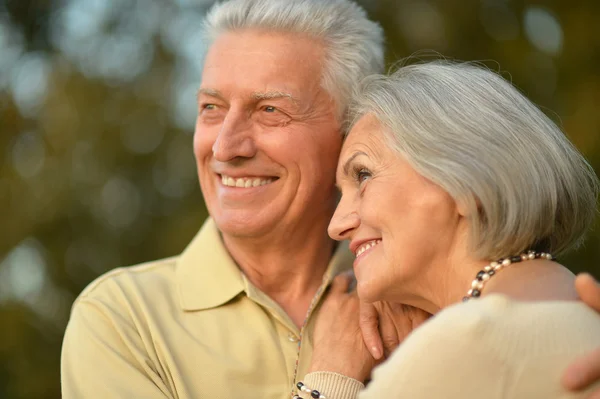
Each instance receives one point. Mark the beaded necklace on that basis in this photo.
(490, 270)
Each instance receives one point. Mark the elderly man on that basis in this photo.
(232, 315)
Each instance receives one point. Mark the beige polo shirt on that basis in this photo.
(191, 326)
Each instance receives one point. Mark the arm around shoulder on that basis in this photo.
(103, 356)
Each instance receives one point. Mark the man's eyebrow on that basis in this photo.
(209, 92)
(347, 163)
(273, 94)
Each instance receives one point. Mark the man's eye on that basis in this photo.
(209, 106)
(270, 109)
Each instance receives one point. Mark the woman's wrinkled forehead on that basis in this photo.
(366, 137)
(366, 131)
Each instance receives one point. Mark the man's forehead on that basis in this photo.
(271, 57)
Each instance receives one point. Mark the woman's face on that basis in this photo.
(400, 224)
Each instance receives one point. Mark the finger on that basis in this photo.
(588, 290)
(389, 335)
(340, 283)
(368, 322)
(583, 372)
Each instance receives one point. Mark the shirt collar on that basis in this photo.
(207, 276)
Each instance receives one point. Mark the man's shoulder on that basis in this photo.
(156, 277)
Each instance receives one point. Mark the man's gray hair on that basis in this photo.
(353, 44)
(471, 132)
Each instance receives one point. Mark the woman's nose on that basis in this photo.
(343, 223)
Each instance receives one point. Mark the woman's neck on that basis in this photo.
(535, 280)
(532, 280)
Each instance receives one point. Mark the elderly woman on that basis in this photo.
(457, 194)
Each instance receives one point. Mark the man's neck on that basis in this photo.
(289, 269)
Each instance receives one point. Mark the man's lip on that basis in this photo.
(242, 175)
(355, 244)
(245, 182)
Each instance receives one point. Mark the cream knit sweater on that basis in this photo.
(492, 348)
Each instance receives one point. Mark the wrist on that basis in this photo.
(357, 373)
(333, 385)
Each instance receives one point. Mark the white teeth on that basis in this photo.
(366, 246)
(244, 182)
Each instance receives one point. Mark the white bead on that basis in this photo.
(494, 264)
(506, 262)
(487, 268)
(524, 257)
(470, 292)
(485, 277)
(306, 389)
(548, 256)
(498, 266)
(477, 285)
(531, 256)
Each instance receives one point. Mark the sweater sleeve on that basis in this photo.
(333, 385)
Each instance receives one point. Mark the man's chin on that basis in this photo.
(244, 226)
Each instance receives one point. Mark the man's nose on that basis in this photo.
(235, 138)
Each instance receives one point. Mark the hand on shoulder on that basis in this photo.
(585, 371)
(337, 339)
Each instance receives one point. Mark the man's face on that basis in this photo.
(267, 138)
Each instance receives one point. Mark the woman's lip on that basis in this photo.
(364, 253)
(356, 244)
(366, 245)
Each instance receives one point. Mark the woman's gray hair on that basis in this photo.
(353, 44)
(472, 133)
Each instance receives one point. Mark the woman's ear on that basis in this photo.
(465, 206)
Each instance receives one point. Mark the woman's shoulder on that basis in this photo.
(500, 311)
(497, 323)
(500, 346)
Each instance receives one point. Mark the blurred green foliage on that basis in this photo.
(97, 104)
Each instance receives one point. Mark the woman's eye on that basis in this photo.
(362, 175)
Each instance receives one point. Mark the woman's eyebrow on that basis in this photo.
(349, 161)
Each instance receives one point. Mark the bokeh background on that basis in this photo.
(97, 107)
